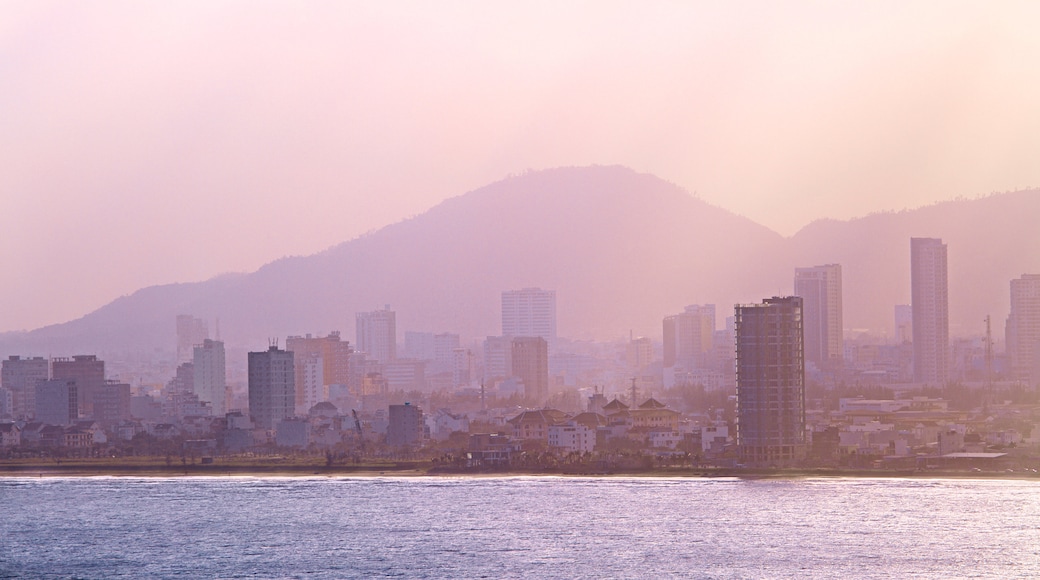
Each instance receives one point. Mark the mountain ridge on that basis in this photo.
(623, 249)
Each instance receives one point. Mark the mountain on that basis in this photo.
(622, 250)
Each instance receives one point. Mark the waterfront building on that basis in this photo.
(572, 437)
(57, 402)
(20, 375)
(112, 403)
(1022, 333)
(530, 358)
(377, 334)
(820, 290)
(405, 425)
(209, 381)
(929, 303)
(770, 382)
(272, 387)
(89, 374)
(530, 312)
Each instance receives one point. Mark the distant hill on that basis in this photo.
(622, 250)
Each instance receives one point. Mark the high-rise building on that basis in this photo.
(530, 359)
(929, 303)
(272, 387)
(190, 331)
(498, 357)
(1022, 332)
(89, 374)
(436, 348)
(530, 312)
(332, 355)
(405, 425)
(820, 290)
(770, 382)
(639, 353)
(210, 375)
(377, 334)
(57, 402)
(461, 367)
(20, 375)
(688, 337)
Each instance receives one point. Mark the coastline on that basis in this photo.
(158, 468)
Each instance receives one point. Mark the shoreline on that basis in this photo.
(421, 469)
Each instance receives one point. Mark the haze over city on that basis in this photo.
(538, 289)
(155, 143)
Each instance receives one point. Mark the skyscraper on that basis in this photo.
(272, 387)
(820, 290)
(1022, 332)
(770, 382)
(529, 312)
(530, 361)
(210, 380)
(377, 334)
(688, 336)
(929, 304)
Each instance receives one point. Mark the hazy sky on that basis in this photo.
(155, 142)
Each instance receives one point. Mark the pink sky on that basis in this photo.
(154, 142)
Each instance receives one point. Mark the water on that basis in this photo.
(517, 527)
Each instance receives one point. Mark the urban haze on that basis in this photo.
(466, 290)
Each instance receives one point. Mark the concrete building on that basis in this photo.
(210, 375)
(112, 403)
(770, 382)
(57, 402)
(530, 312)
(461, 367)
(639, 353)
(929, 302)
(406, 426)
(435, 348)
(572, 437)
(1022, 332)
(20, 375)
(688, 337)
(377, 334)
(272, 387)
(498, 358)
(334, 356)
(190, 331)
(820, 290)
(530, 357)
(89, 374)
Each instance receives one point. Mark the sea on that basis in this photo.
(517, 527)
